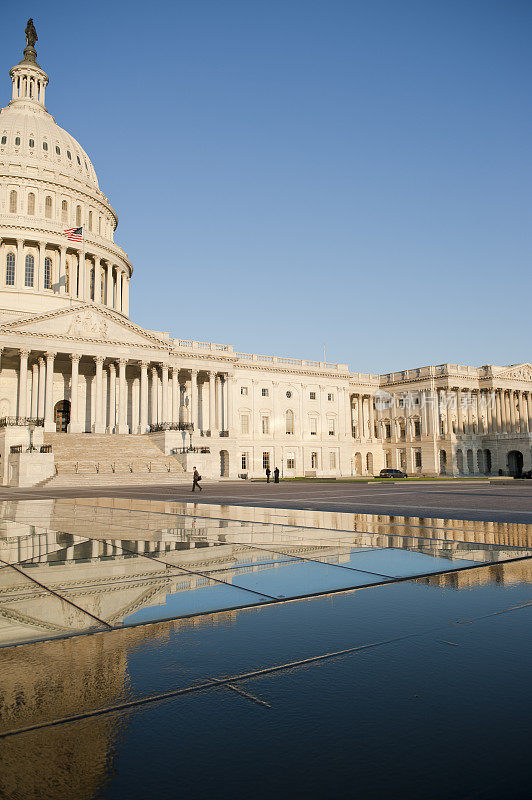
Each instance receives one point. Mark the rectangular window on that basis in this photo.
(265, 460)
(313, 426)
(244, 423)
(244, 390)
(265, 424)
(245, 460)
(332, 459)
(331, 427)
(313, 395)
(265, 392)
(417, 459)
(388, 430)
(290, 461)
(417, 428)
(314, 460)
(330, 397)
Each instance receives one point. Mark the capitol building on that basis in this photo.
(84, 391)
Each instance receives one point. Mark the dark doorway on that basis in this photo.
(515, 463)
(62, 416)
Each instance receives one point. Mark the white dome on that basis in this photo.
(32, 135)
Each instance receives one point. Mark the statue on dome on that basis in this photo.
(31, 33)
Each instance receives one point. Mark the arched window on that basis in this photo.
(90, 220)
(78, 216)
(289, 421)
(48, 207)
(47, 272)
(64, 211)
(92, 285)
(31, 204)
(10, 269)
(29, 271)
(13, 201)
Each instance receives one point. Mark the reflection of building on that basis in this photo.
(73, 358)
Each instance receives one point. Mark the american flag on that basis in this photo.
(74, 234)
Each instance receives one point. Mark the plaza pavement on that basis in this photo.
(469, 499)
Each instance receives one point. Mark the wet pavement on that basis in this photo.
(159, 648)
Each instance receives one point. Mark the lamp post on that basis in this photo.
(31, 428)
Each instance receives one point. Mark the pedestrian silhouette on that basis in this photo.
(196, 477)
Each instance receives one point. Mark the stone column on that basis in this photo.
(487, 396)
(119, 278)
(154, 395)
(459, 410)
(39, 282)
(19, 267)
(62, 271)
(81, 275)
(529, 411)
(512, 414)
(49, 422)
(498, 411)
(34, 388)
(164, 405)
(229, 402)
(98, 426)
(122, 397)
(371, 418)
(505, 412)
(125, 296)
(449, 414)
(112, 398)
(175, 395)
(74, 425)
(23, 384)
(42, 388)
(194, 397)
(212, 402)
(143, 399)
(360, 417)
(109, 285)
(97, 281)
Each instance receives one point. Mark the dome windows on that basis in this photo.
(29, 270)
(17, 141)
(10, 269)
(78, 216)
(48, 207)
(47, 273)
(57, 150)
(90, 220)
(64, 211)
(79, 160)
(13, 201)
(31, 204)
(4, 139)
(69, 155)
(31, 142)
(45, 146)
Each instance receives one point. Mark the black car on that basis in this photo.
(392, 473)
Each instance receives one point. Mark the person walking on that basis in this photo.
(196, 477)
(268, 473)
(276, 475)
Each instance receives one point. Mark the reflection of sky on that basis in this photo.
(195, 601)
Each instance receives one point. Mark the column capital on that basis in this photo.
(112, 366)
(98, 359)
(50, 355)
(123, 361)
(154, 369)
(74, 356)
(24, 353)
(144, 364)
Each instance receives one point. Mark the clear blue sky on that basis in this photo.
(290, 173)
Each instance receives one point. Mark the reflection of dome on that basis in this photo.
(48, 186)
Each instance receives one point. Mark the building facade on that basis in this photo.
(73, 362)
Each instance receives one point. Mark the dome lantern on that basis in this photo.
(29, 80)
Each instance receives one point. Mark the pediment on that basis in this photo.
(85, 324)
(520, 372)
